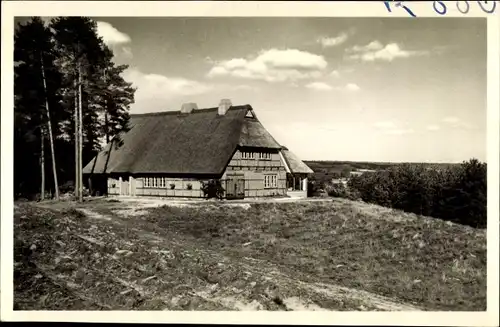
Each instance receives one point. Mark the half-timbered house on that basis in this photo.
(170, 154)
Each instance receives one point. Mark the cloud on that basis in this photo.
(433, 127)
(391, 128)
(372, 46)
(352, 87)
(451, 120)
(335, 73)
(400, 131)
(327, 42)
(385, 124)
(377, 51)
(110, 34)
(456, 122)
(243, 87)
(117, 41)
(273, 65)
(155, 86)
(156, 92)
(319, 86)
(127, 52)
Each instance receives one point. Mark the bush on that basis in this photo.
(68, 187)
(457, 193)
(213, 189)
(314, 187)
(337, 190)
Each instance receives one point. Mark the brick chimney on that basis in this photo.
(224, 105)
(188, 107)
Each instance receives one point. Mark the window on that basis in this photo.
(162, 182)
(253, 155)
(265, 156)
(152, 182)
(247, 155)
(270, 181)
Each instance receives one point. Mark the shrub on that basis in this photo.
(213, 189)
(457, 193)
(189, 186)
(337, 190)
(68, 187)
(314, 187)
(172, 186)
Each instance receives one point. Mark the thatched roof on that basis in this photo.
(294, 164)
(253, 134)
(200, 142)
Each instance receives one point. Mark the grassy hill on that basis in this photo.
(329, 255)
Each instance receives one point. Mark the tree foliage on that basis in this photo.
(457, 193)
(70, 46)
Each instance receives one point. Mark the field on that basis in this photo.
(333, 254)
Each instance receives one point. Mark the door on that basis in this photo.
(125, 188)
(235, 187)
(240, 189)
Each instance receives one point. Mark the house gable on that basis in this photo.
(262, 171)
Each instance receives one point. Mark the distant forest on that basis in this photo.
(325, 170)
(335, 166)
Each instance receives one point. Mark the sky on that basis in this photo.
(360, 89)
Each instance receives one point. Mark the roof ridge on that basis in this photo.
(178, 112)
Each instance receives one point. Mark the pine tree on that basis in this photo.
(34, 87)
(104, 97)
(80, 51)
(49, 127)
(68, 93)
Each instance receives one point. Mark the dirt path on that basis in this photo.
(156, 202)
(287, 291)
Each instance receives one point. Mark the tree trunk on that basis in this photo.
(77, 185)
(106, 127)
(80, 140)
(91, 191)
(49, 127)
(42, 164)
(106, 122)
